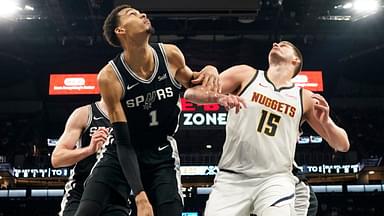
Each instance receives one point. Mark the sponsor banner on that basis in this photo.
(73, 84)
(311, 80)
(310, 140)
(194, 170)
(315, 169)
(40, 173)
(331, 169)
(198, 170)
(212, 116)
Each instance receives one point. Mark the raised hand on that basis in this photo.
(98, 139)
(321, 108)
(232, 101)
(208, 77)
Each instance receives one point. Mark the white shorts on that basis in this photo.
(235, 194)
(302, 199)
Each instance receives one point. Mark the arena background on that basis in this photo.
(44, 37)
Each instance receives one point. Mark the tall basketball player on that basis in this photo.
(86, 130)
(255, 167)
(141, 89)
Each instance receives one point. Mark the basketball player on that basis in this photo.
(141, 89)
(86, 130)
(255, 167)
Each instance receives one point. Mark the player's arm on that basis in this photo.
(65, 153)
(233, 80)
(207, 77)
(316, 113)
(111, 91)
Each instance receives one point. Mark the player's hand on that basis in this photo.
(208, 77)
(144, 207)
(98, 139)
(231, 101)
(321, 109)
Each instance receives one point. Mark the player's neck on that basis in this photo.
(279, 75)
(139, 57)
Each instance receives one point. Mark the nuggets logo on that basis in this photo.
(274, 104)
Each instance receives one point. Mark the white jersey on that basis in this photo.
(261, 139)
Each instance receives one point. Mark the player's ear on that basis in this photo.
(119, 30)
(296, 61)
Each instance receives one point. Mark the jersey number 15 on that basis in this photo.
(268, 123)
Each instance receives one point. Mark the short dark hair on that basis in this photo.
(299, 55)
(110, 25)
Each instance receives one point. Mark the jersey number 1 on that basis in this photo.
(153, 115)
(268, 127)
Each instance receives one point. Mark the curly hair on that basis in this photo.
(110, 24)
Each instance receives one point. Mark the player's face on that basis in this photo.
(282, 51)
(134, 22)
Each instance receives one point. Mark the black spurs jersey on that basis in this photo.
(151, 106)
(96, 119)
(79, 173)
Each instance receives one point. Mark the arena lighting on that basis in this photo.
(366, 6)
(30, 8)
(8, 8)
(371, 172)
(355, 10)
(361, 6)
(348, 5)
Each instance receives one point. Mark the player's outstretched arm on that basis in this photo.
(207, 77)
(233, 80)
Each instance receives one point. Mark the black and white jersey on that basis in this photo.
(81, 170)
(150, 105)
(96, 119)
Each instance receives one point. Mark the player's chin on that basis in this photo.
(151, 30)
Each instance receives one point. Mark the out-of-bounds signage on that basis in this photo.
(73, 84)
(311, 80)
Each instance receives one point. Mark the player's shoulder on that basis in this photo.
(243, 68)
(307, 100)
(107, 75)
(106, 71)
(79, 117)
(82, 110)
(171, 50)
(240, 70)
(306, 94)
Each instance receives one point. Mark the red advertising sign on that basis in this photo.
(311, 80)
(73, 84)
